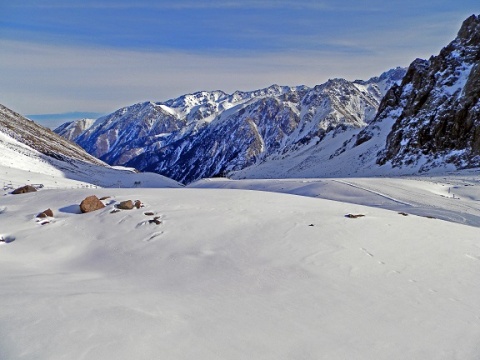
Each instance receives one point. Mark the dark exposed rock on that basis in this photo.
(105, 197)
(149, 213)
(45, 213)
(138, 204)
(156, 220)
(354, 216)
(437, 107)
(125, 205)
(91, 203)
(24, 189)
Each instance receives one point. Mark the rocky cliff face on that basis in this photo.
(436, 109)
(212, 133)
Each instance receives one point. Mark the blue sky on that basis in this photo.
(96, 56)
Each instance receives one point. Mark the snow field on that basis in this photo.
(233, 274)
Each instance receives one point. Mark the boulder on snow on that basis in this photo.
(45, 213)
(24, 189)
(138, 204)
(91, 203)
(125, 205)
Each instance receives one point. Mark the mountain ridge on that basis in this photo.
(212, 133)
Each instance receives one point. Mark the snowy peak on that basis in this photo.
(73, 129)
(385, 81)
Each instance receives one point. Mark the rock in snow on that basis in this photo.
(24, 189)
(91, 203)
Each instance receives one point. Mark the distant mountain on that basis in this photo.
(212, 133)
(52, 121)
(73, 129)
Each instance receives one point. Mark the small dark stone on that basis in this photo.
(155, 221)
(105, 197)
(149, 213)
(311, 225)
(125, 205)
(354, 216)
(24, 189)
(403, 213)
(45, 213)
(114, 211)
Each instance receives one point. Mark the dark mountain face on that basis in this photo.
(436, 108)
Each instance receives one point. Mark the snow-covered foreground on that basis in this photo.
(233, 274)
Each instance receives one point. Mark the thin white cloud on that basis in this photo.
(199, 4)
(40, 78)
(48, 79)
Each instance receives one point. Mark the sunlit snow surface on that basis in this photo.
(239, 274)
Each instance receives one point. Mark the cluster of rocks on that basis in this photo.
(93, 203)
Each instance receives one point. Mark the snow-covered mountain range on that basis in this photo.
(212, 133)
(425, 120)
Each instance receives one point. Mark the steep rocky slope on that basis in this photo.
(436, 109)
(41, 139)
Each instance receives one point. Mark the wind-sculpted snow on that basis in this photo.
(213, 133)
(233, 274)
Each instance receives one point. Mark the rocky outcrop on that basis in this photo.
(436, 109)
(91, 203)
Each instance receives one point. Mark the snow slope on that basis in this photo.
(452, 196)
(20, 165)
(233, 274)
